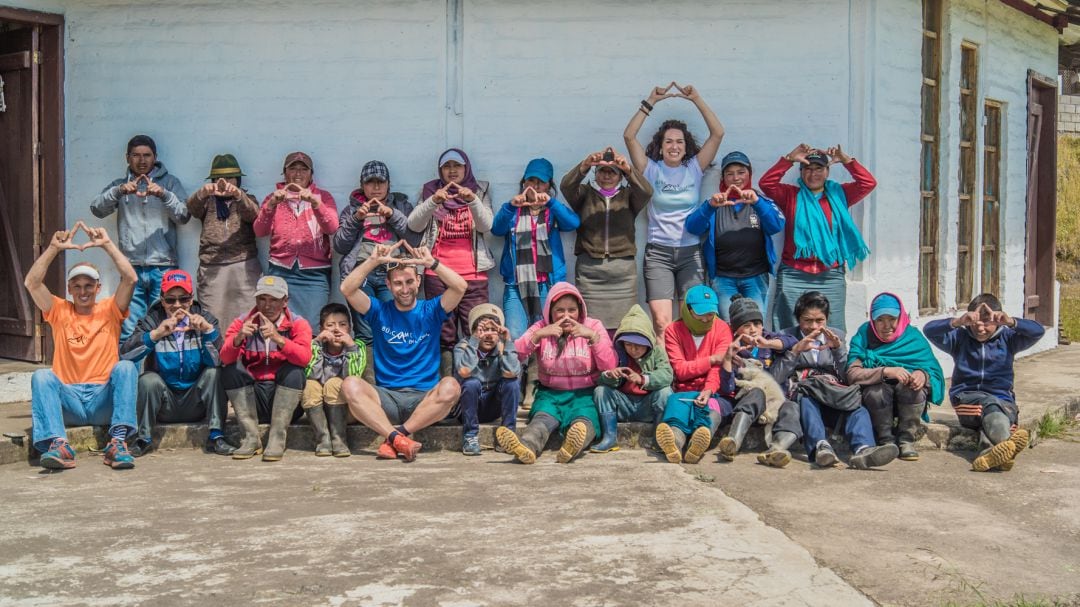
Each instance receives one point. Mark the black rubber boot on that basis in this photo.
(730, 444)
(243, 402)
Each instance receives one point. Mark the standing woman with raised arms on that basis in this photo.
(673, 164)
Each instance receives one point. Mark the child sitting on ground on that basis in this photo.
(982, 343)
(750, 342)
(487, 367)
(334, 356)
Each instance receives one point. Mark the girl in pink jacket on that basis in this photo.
(571, 352)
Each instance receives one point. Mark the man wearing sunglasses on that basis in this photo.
(179, 342)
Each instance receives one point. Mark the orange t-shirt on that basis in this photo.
(86, 346)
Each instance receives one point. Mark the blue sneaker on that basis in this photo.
(60, 456)
(117, 455)
(470, 445)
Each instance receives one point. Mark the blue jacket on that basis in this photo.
(984, 366)
(560, 219)
(702, 220)
(179, 365)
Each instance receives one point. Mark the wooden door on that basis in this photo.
(1039, 262)
(19, 183)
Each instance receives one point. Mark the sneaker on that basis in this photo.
(60, 456)
(470, 445)
(386, 451)
(139, 448)
(824, 456)
(665, 439)
(219, 445)
(117, 455)
(699, 442)
(873, 457)
(407, 447)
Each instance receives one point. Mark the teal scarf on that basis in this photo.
(910, 350)
(841, 243)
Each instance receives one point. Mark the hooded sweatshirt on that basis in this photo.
(303, 238)
(983, 366)
(653, 365)
(263, 358)
(181, 361)
(579, 363)
(689, 361)
(146, 225)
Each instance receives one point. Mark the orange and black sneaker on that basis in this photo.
(406, 447)
(386, 451)
(60, 456)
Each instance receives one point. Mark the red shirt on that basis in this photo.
(690, 362)
(786, 197)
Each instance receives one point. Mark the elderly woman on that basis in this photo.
(374, 216)
(898, 372)
(607, 204)
(820, 237)
(738, 225)
(300, 219)
(228, 260)
(673, 163)
(532, 259)
(452, 217)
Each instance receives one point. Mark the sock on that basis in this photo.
(401, 429)
(862, 449)
(214, 435)
(390, 438)
(119, 432)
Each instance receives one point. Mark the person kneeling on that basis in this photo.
(408, 395)
(180, 343)
(572, 350)
(335, 355)
(264, 354)
(896, 368)
(489, 371)
(638, 388)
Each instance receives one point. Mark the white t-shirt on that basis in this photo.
(676, 191)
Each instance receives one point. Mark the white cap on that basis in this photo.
(84, 270)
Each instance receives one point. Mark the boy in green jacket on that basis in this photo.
(335, 355)
(638, 388)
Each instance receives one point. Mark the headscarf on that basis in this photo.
(468, 181)
(908, 348)
(696, 327)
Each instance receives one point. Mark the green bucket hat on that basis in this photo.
(224, 165)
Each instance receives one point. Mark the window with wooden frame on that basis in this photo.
(929, 208)
(991, 198)
(969, 117)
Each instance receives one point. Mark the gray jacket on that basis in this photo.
(349, 240)
(146, 226)
(791, 367)
(488, 370)
(422, 220)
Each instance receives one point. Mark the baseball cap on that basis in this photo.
(817, 158)
(634, 338)
(735, 158)
(449, 155)
(274, 286)
(300, 157)
(702, 300)
(84, 269)
(374, 169)
(176, 278)
(885, 304)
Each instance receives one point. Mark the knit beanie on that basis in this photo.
(743, 310)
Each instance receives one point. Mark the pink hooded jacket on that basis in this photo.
(580, 363)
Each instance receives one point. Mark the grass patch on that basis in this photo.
(1054, 425)
(1070, 309)
(1014, 602)
(1068, 234)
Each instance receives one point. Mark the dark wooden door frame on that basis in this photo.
(1039, 262)
(50, 146)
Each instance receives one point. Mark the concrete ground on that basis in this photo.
(185, 528)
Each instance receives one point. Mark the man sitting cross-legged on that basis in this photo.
(87, 384)
(408, 394)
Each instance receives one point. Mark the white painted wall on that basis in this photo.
(349, 82)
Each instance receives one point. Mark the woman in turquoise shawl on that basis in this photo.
(896, 368)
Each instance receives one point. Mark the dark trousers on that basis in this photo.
(157, 403)
(885, 402)
(752, 403)
(457, 325)
(288, 375)
(788, 420)
(477, 405)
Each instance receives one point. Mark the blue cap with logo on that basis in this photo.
(702, 300)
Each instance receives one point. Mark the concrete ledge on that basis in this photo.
(362, 441)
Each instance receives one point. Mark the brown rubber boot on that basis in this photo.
(285, 402)
(247, 416)
(339, 444)
(317, 418)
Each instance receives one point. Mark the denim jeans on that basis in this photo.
(754, 287)
(55, 405)
(517, 320)
(498, 403)
(857, 427)
(375, 289)
(147, 291)
(632, 408)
